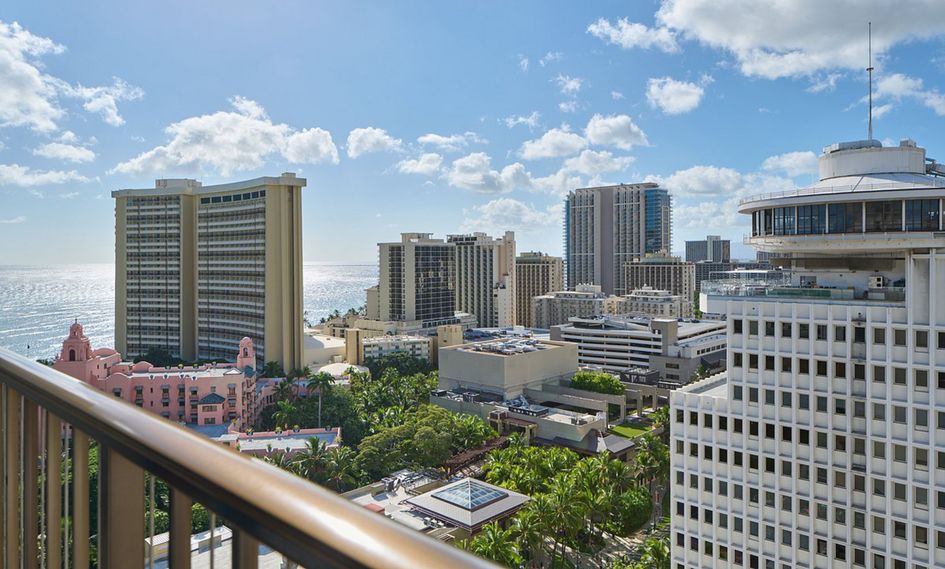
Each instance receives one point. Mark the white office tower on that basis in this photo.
(823, 444)
(485, 277)
(416, 281)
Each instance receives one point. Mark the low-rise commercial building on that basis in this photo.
(657, 303)
(360, 348)
(585, 300)
(620, 343)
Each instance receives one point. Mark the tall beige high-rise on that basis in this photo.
(485, 277)
(535, 274)
(197, 268)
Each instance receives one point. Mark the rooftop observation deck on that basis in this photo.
(780, 286)
(49, 421)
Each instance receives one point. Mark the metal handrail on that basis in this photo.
(309, 524)
(847, 188)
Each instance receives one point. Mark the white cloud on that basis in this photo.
(24, 176)
(550, 57)
(505, 214)
(523, 63)
(371, 139)
(474, 172)
(615, 130)
(673, 97)
(880, 110)
(69, 195)
(592, 163)
(616, 95)
(792, 163)
(569, 85)
(823, 83)
(427, 164)
(68, 137)
(310, 146)
(898, 86)
(531, 121)
(803, 37)
(230, 141)
(716, 181)
(709, 215)
(28, 96)
(68, 152)
(451, 143)
(13, 220)
(629, 34)
(104, 100)
(553, 143)
(567, 106)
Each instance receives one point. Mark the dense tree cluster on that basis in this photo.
(574, 501)
(598, 382)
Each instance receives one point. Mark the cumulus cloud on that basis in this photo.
(591, 163)
(427, 164)
(898, 86)
(567, 106)
(474, 172)
(24, 176)
(504, 214)
(230, 141)
(30, 98)
(673, 97)
(792, 163)
(523, 63)
(825, 82)
(451, 143)
(531, 121)
(569, 85)
(616, 95)
(371, 139)
(553, 143)
(550, 57)
(310, 146)
(13, 220)
(709, 215)
(615, 130)
(627, 35)
(720, 181)
(67, 152)
(803, 37)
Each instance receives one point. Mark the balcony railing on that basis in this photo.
(48, 422)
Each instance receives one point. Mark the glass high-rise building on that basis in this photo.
(606, 227)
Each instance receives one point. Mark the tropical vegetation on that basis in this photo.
(598, 382)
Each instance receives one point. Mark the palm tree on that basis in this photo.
(318, 382)
(341, 471)
(496, 544)
(655, 554)
(284, 414)
(278, 459)
(310, 461)
(528, 527)
(284, 390)
(272, 369)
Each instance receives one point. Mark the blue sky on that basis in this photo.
(442, 116)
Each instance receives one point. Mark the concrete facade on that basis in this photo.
(662, 272)
(656, 303)
(586, 300)
(485, 277)
(536, 274)
(197, 268)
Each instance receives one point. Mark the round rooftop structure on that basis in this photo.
(869, 198)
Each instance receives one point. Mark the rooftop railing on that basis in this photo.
(842, 189)
(49, 421)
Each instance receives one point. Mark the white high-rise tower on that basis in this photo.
(823, 444)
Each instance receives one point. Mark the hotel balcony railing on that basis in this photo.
(48, 421)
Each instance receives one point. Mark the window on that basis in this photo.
(883, 216)
(899, 337)
(786, 331)
(821, 367)
(879, 374)
(769, 329)
(803, 366)
(879, 412)
(879, 449)
(803, 331)
(922, 215)
(737, 326)
(785, 364)
(753, 327)
(941, 340)
(879, 336)
(839, 333)
(840, 370)
(920, 379)
(845, 218)
(899, 375)
(811, 219)
(821, 331)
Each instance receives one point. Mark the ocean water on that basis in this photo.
(38, 303)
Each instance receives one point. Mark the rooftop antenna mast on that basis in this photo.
(870, 71)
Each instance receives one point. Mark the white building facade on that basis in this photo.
(485, 277)
(823, 444)
(658, 303)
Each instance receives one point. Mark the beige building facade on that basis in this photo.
(536, 274)
(485, 277)
(662, 272)
(197, 268)
(658, 303)
(559, 306)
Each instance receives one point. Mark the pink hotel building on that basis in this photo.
(210, 394)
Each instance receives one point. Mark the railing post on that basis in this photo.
(30, 485)
(80, 499)
(53, 491)
(180, 531)
(121, 518)
(245, 550)
(11, 520)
